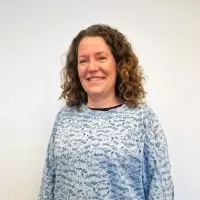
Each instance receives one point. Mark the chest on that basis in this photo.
(99, 138)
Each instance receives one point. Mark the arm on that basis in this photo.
(48, 179)
(157, 179)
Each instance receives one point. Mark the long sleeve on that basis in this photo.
(157, 179)
(48, 179)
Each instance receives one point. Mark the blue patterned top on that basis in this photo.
(119, 154)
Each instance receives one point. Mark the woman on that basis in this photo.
(106, 143)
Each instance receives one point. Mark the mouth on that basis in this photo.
(95, 79)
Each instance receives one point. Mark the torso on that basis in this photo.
(99, 154)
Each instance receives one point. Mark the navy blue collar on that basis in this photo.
(106, 109)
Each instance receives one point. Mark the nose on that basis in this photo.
(93, 66)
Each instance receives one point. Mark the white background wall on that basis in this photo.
(34, 34)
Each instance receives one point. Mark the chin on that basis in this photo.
(94, 93)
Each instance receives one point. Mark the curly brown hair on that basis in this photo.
(129, 81)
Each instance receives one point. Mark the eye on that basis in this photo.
(82, 61)
(102, 58)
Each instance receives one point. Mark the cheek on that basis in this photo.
(81, 72)
(113, 70)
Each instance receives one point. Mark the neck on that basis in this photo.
(103, 103)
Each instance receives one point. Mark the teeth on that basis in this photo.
(95, 79)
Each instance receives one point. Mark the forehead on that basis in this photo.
(93, 44)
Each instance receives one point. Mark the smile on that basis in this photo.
(94, 79)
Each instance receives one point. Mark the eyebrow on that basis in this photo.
(97, 53)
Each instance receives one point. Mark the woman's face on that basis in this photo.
(96, 68)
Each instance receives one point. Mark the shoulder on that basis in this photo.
(148, 120)
(149, 116)
(151, 124)
(66, 109)
(64, 113)
(144, 111)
